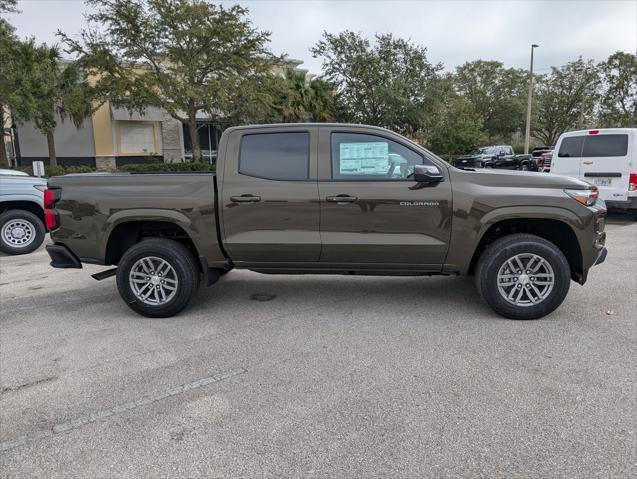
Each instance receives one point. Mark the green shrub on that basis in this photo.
(157, 167)
(60, 170)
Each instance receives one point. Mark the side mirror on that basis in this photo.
(502, 153)
(427, 174)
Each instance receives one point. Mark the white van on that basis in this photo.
(606, 158)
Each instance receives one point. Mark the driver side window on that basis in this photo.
(358, 156)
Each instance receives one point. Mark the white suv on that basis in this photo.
(606, 158)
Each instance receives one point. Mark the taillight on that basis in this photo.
(632, 182)
(51, 215)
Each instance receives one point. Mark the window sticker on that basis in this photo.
(364, 158)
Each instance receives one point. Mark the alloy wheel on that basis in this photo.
(153, 280)
(525, 279)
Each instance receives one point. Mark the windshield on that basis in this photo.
(487, 150)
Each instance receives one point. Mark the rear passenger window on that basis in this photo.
(605, 145)
(571, 147)
(275, 156)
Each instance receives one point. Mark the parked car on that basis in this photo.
(6, 171)
(606, 158)
(21, 212)
(542, 157)
(496, 156)
(362, 200)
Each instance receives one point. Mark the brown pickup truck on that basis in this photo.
(328, 198)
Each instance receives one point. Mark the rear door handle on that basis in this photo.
(342, 199)
(245, 199)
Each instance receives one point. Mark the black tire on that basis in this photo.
(507, 247)
(30, 227)
(184, 268)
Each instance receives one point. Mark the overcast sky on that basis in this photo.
(453, 31)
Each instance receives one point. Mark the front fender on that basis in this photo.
(469, 229)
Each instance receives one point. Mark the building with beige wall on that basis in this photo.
(113, 137)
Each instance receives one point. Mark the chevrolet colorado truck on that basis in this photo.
(328, 198)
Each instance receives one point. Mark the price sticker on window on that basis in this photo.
(371, 158)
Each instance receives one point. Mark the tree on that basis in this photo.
(8, 42)
(8, 6)
(46, 88)
(296, 99)
(390, 83)
(618, 104)
(455, 129)
(497, 94)
(184, 56)
(565, 100)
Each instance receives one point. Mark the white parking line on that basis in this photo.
(105, 413)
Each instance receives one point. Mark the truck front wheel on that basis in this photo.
(523, 276)
(157, 277)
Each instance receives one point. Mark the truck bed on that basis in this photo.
(93, 206)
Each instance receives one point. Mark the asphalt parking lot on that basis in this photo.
(317, 376)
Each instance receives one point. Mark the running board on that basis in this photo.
(105, 274)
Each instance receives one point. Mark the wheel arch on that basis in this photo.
(30, 206)
(557, 231)
(128, 232)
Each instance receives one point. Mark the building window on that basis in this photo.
(137, 137)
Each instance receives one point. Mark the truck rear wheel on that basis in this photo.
(157, 277)
(523, 276)
(21, 232)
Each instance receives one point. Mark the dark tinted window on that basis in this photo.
(276, 156)
(358, 156)
(571, 147)
(605, 145)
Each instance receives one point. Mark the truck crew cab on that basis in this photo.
(329, 198)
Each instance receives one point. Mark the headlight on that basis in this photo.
(40, 187)
(586, 197)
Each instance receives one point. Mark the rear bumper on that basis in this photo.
(62, 257)
(630, 204)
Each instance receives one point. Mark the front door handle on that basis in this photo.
(588, 162)
(342, 199)
(245, 199)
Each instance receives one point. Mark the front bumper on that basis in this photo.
(62, 257)
(602, 256)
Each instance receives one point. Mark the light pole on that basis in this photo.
(527, 136)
